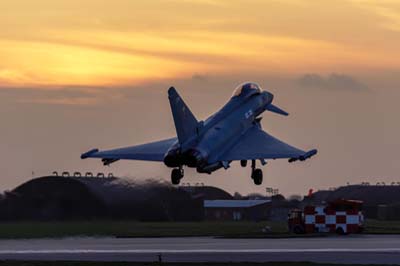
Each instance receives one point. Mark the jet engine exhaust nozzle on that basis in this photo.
(173, 158)
(195, 158)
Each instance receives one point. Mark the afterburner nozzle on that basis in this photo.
(195, 158)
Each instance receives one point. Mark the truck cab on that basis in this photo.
(296, 221)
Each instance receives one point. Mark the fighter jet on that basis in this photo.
(233, 133)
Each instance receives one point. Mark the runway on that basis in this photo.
(375, 249)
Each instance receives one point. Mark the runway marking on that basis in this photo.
(150, 251)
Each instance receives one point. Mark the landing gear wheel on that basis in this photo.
(340, 231)
(298, 229)
(257, 176)
(243, 163)
(176, 176)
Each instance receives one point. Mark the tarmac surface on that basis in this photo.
(374, 249)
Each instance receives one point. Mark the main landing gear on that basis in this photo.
(176, 175)
(256, 173)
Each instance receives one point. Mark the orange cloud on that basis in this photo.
(130, 42)
(388, 10)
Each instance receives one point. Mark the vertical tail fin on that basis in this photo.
(185, 122)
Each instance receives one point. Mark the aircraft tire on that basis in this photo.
(257, 176)
(176, 176)
(340, 231)
(243, 163)
(298, 229)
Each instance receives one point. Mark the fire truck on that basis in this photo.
(339, 216)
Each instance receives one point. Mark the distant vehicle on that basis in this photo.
(233, 133)
(340, 216)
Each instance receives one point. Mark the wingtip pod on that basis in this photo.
(89, 153)
(305, 156)
(308, 154)
(171, 91)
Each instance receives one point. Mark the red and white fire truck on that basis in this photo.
(340, 216)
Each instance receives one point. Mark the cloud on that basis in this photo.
(199, 77)
(60, 96)
(388, 10)
(333, 81)
(125, 43)
(91, 95)
(198, 84)
(111, 58)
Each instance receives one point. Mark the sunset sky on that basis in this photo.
(107, 43)
(77, 74)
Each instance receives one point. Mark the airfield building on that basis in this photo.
(236, 210)
(76, 197)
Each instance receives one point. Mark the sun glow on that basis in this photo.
(132, 42)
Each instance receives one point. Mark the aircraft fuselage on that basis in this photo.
(218, 134)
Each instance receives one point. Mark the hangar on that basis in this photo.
(74, 198)
(236, 210)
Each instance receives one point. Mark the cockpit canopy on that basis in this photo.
(248, 88)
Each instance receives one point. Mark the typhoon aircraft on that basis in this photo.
(233, 133)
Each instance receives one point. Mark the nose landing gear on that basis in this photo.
(176, 175)
(256, 173)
